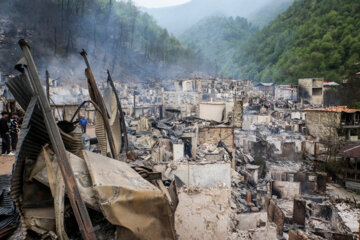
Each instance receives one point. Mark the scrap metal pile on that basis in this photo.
(8, 215)
(56, 182)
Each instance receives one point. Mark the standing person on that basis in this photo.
(4, 132)
(83, 123)
(14, 130)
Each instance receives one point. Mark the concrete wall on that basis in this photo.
(203, 214)
(244, 139)
(323, 124)
(199, 175)
(250, 220)
(212, 111)
(286, 190)
(178, 152)
(268, 232)
(250, 121)
(309, 89)
(186, 102)
(187, 85)
(298, 115)
(285, 94)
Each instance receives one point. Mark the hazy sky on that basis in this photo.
(159, 3)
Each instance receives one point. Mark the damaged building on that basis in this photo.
(333, 124)
(311, 90)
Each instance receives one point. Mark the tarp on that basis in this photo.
(128, 200)
(81, 173)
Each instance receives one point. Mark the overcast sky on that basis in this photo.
(159, 3)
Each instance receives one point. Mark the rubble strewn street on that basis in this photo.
(196, 158)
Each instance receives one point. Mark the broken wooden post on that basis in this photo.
(122, 117)
(77, 204)
(47, 85)
(97, 98)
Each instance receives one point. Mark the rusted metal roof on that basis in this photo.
(352, 150)
(334, 109)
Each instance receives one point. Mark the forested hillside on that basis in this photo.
(313, 38)
(217, 37)
(179, 19)
(115, 34)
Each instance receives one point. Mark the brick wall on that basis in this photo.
(238, 113)
(215, 135)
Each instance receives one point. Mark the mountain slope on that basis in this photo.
(179, 18)
(264, 15)
(116, 35)
(313, 38)
(217, 37)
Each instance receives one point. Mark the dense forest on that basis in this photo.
(217, 37)
(116, 35)
(313, 38)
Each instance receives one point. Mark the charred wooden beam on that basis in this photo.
(47, 85)
(98, 99)
(77, 204)
(81, 105)
(122, 117)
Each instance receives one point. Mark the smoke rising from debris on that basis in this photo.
(115, 35)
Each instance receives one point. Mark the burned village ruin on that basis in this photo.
(203, 158)
(180, 120)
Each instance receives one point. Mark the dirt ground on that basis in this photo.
(90, 130)
(6, 163)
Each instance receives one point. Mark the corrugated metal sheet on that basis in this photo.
(6, 204)
(8, 214)
(33, 137)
